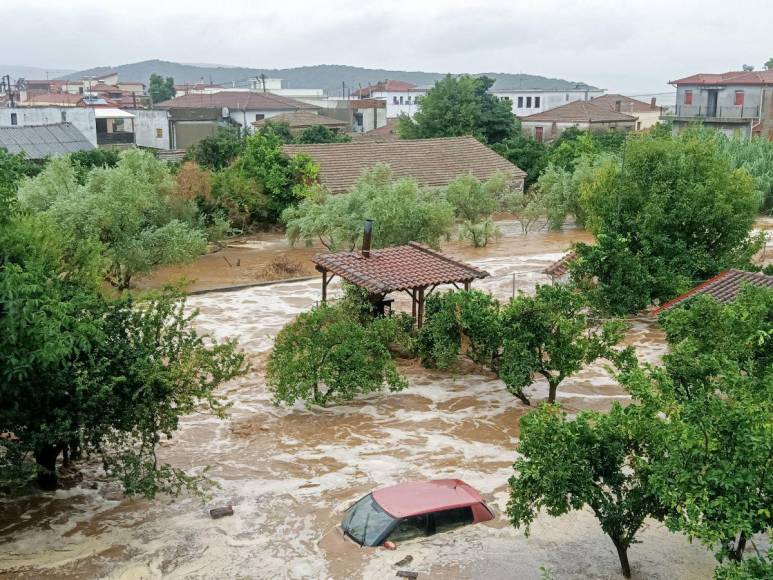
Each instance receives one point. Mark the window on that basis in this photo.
(401, 100)
(64, 116)
(688, 97)
(366, 522)
(739, 98)
(394, 101)
(408, 100)
(567, 97)
(159, 132)
(410, 528)
(536, 102)
(520, 102)
(259, 116)
(450, 519)
(638, 125)
(14, 119)
(528, 102)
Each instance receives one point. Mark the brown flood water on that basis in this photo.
(290, 473)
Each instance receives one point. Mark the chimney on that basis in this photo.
(366, 238)
(618, 106)
(652, 103)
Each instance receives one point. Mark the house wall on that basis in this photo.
(246, 118)
(645, 120)
(547, 99)
(151, 128)
(82, 118)
(188, 133)
(406, 102)
(551, 131)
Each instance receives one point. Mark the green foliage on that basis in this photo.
(400, 210)
(84, 374)
(59, 179)
(328, 355)
(714, 395)
(474, 203)
(88, 159)
(760, 567)
(596, 460)
(321, 134)
(458, 106)
(755, 155)
(160, 88)
(13, 170)
(280, 129)
(547, 335)
(769, 64)
(525, 152)
(218, 151)
(675, 213)
(574, 144)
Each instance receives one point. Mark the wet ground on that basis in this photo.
(290, 472)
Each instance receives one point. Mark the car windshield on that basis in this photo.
(366, 522)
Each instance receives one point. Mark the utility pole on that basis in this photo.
(9, 89)
(263, 81)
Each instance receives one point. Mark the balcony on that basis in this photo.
(115, 138)
(718, 114)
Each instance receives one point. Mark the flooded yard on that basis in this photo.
(291, 472)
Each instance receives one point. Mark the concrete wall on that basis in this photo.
(547, 99)
(551, 131)
(726, 107)
(151, 128)
(188, 133)
(246, 118)
(399, 102)
(82, 118)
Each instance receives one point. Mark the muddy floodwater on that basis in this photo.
(290, 472)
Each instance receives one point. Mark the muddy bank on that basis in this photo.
(290, 473)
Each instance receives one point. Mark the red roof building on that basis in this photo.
(723, 287)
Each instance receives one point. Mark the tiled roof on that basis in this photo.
(302, 119)
(431, 162)
(579, 112)
(561, 266)
(723, 287)
(57, 98)
(383, 133)
(39, 142)
(237, 100)
(762, 77)
(367, 104)
(627, 104)
(384, 86)
(398, 268)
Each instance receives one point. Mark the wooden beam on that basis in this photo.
(420, 315)
(467, 286)
(324, 285)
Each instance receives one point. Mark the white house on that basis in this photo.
(530, 101)
(81, 118)
(400, 97)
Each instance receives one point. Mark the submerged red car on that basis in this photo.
(410, 510)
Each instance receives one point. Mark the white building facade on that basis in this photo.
(530, 101)
(81, 118)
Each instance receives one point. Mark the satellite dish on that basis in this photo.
(225, 112)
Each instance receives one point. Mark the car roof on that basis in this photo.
(421, 497)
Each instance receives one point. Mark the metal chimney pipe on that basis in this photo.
(366, 234)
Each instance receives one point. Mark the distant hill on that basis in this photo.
(31, 72)
(324, 76)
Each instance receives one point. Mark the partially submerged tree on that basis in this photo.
(547, 335)
(330, 355)
(474, 203)
(400, 210)
(600, 461)
(526, 153)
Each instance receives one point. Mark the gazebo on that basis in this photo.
(415, 269)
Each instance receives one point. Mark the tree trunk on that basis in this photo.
(524, 399)
(736, 554)
(46, 460)
(552, 392)
(622, 553)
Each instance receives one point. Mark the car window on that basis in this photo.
(450, 519)
(366, 522)
(410, 528)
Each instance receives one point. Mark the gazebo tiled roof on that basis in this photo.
(723, 287)
(398, 268)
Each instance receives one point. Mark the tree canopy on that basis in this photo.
(458, 106)
(160, 88)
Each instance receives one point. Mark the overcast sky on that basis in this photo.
(622, 45)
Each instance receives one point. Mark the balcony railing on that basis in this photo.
(719, 113)
(115, 138)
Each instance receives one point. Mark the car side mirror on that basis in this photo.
(389, 545)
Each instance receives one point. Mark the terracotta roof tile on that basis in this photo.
(398, 268)
(237, 100)
(762, 77)
(303, 119)
(561, 266)
(432, 162)
(579, 112)
(723, 287)
(383, 86)
(628, 105)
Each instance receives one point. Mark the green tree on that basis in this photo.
(458, 106)
(321, 134)
(160, 88)
(676, 212)
(400, 210)
(278, 128)
(88, 159)
(218, 151)
(475, 202)
(547, 335)
(13, 170)
(714, 397)
(130, 209)
(328, 355)
(596, 460)
(524, 152)
(769, 64)
(84, 374)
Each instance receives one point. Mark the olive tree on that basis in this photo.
(599, 461)
(330, 355)
(474, 203)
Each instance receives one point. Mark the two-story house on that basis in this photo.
(736, 103)
(530, 101)
(401, 97)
